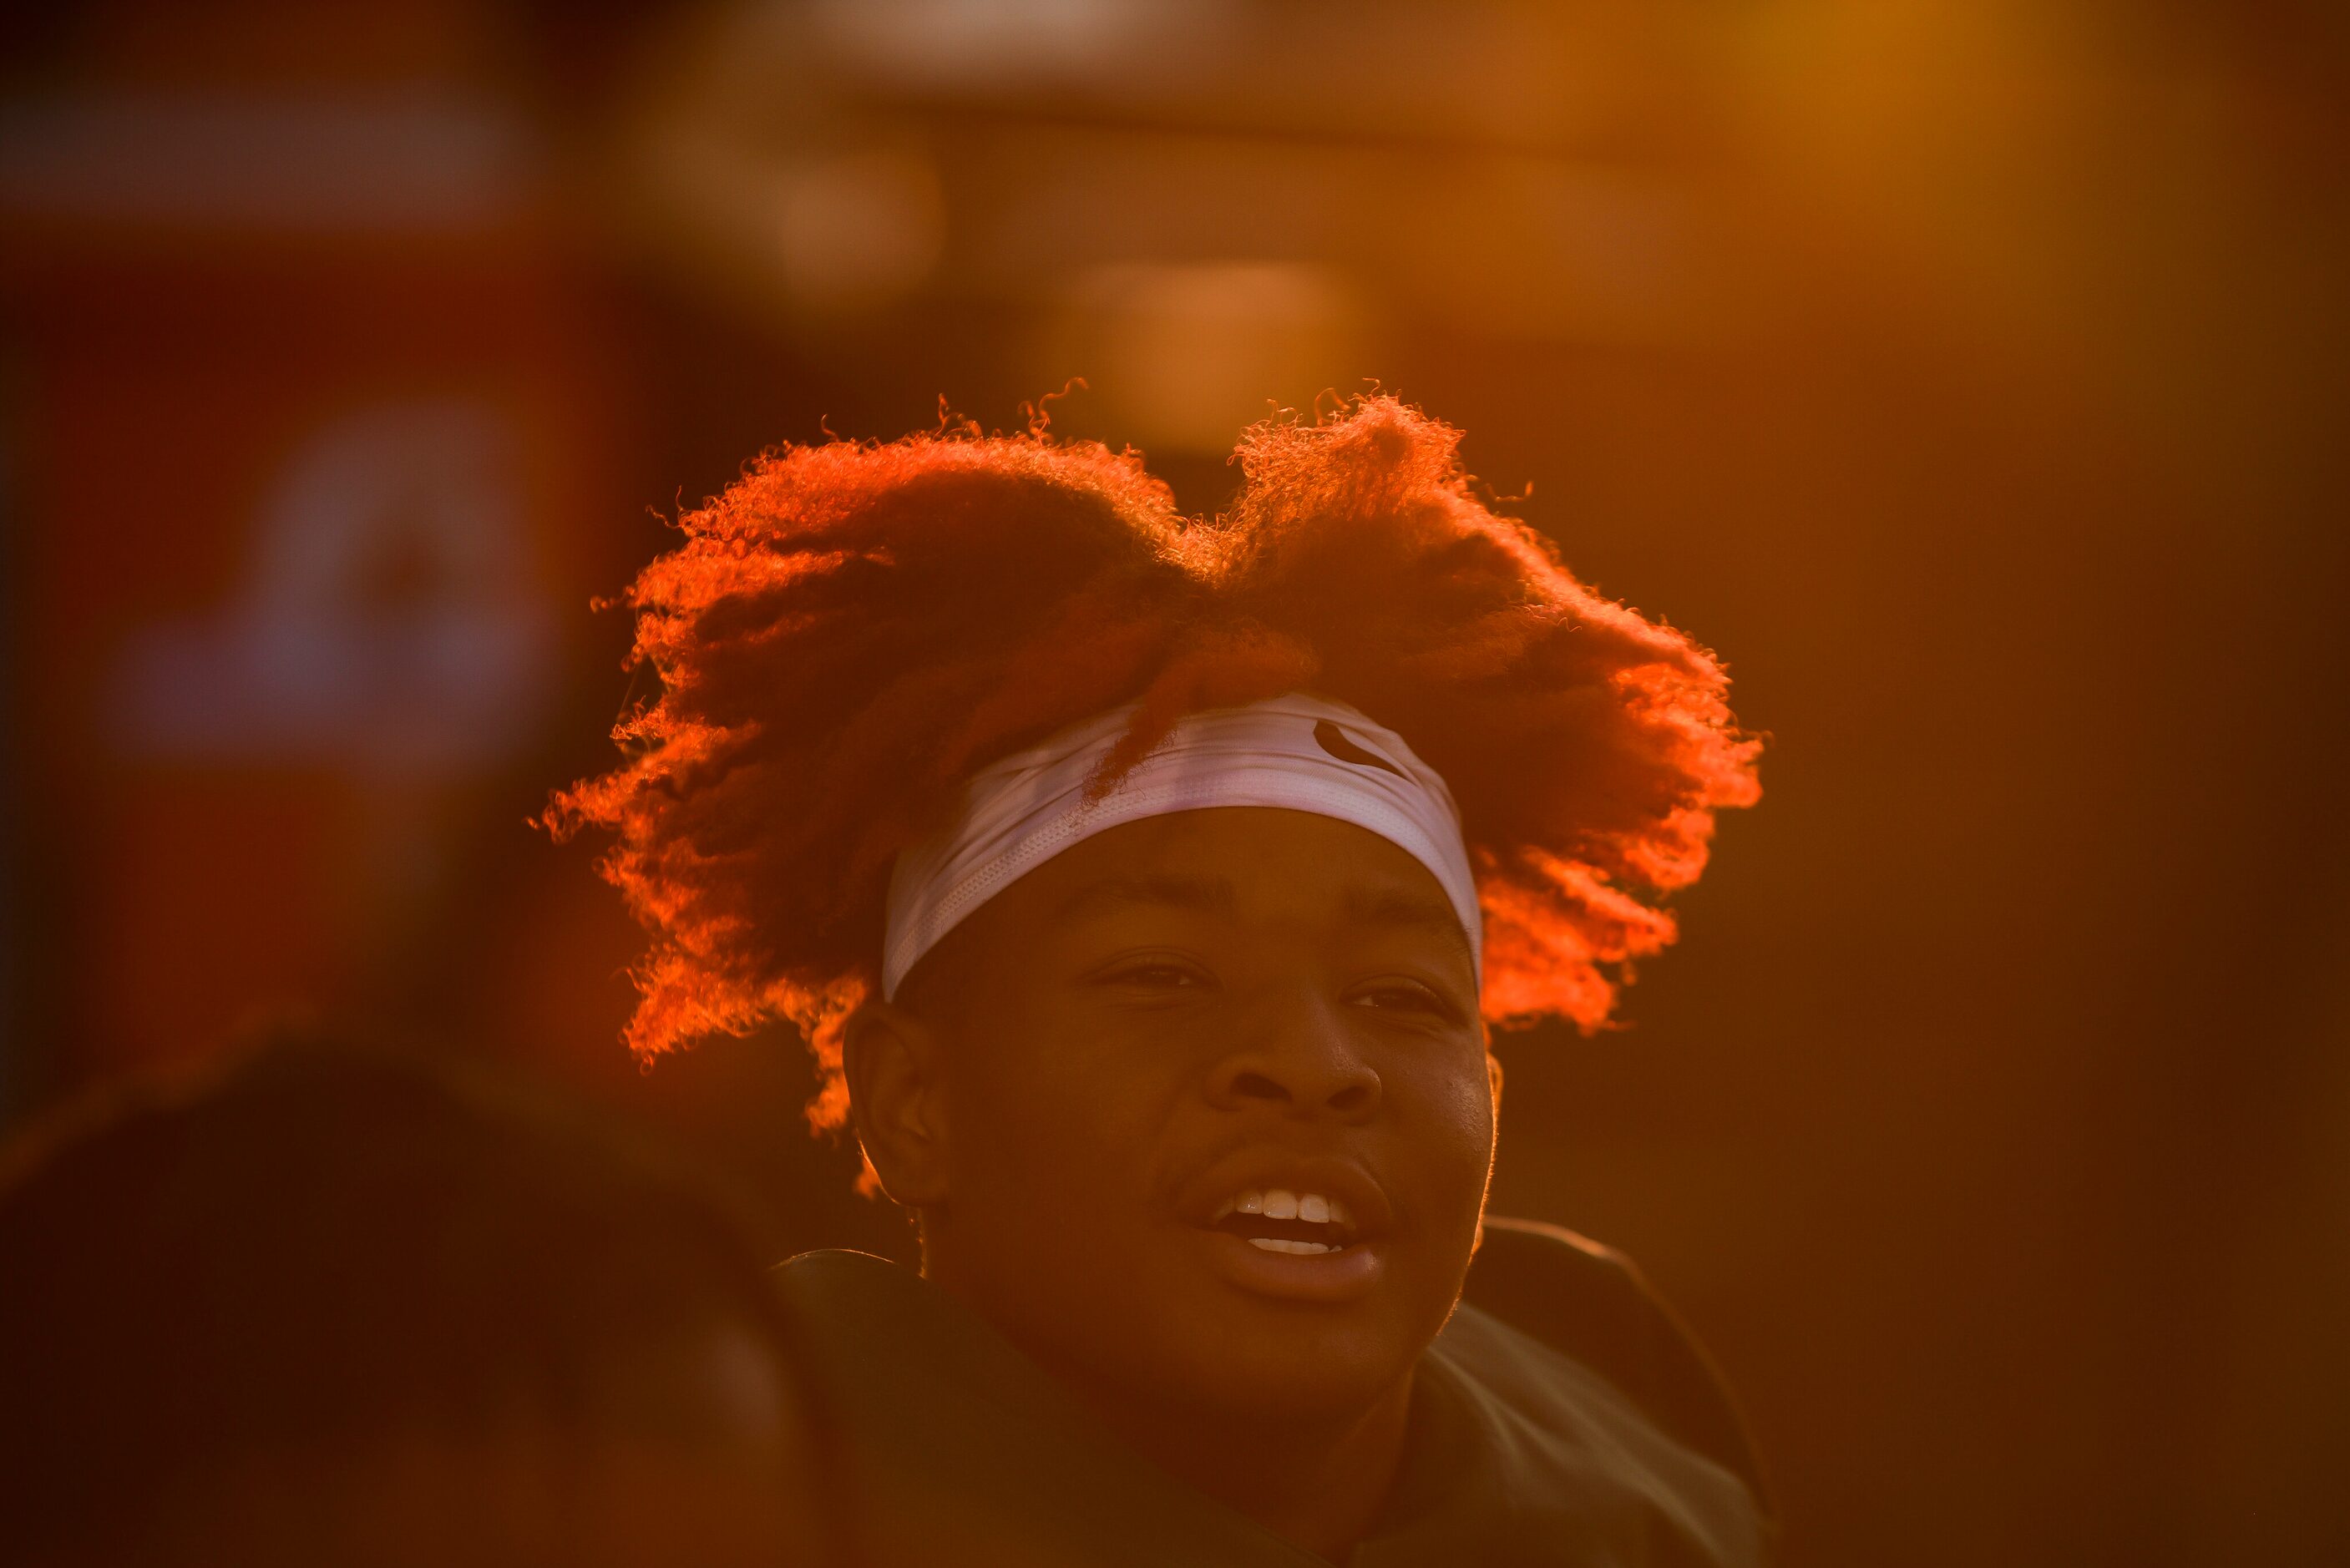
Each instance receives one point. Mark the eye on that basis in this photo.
(1163, 976)
(1155, 974)
(1409, 997)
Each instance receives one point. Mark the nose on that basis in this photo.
(1301, 1062)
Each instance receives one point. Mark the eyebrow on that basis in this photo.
(1210, 895)
(1402, 908)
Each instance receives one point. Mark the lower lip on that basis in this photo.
(1345, 1275)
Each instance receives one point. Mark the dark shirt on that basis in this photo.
(1562, 1418)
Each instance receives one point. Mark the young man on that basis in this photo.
(1147, 888)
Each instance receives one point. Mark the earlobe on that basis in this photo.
(891, 1060)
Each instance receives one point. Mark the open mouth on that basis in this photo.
(1278, 1228)
(1276, 1220)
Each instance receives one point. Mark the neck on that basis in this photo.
(1316, 1483)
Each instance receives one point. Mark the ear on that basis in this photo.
(891, 1060)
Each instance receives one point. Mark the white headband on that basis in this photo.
(1301, 752)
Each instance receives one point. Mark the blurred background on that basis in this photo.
(1972, 373)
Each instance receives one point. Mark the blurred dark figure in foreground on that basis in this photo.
(334, 1306)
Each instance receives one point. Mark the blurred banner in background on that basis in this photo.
(1972, 375)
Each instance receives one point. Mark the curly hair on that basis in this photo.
(853, 628)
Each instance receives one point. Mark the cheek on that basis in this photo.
(1053, 1124)
(1451, 1132)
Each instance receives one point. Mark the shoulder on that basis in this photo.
(1592, 1305)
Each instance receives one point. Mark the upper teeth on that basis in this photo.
(1280, 1203)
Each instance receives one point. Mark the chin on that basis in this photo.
(1285, 1371)
(1180, 1339)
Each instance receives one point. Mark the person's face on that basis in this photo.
(1213, 1122)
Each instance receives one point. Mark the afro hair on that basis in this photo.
(853, 628)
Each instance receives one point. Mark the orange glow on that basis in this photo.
(852, 630)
